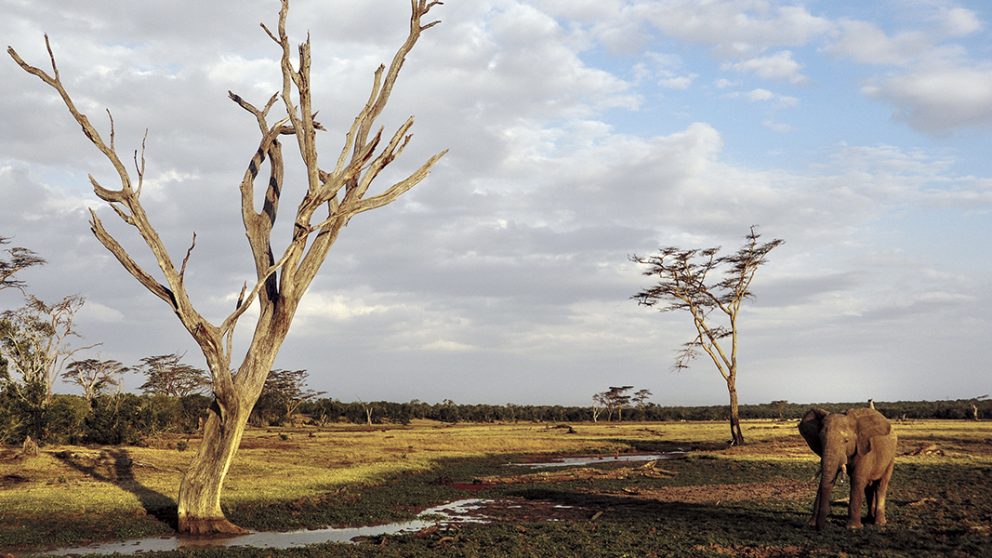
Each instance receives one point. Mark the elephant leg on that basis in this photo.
(883, 487)
(816, 507)
(871, 500)
(858, 487)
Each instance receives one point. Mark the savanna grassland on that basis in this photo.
(744, 501)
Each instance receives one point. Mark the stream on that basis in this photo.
(460, 511)
(597, 460)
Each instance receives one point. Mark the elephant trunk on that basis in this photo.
(830, 469)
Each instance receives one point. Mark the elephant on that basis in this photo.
(864, 442)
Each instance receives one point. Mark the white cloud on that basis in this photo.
(680, 82)
(865, 43)
(446, 345)
(96, 312)
(760, 95)
(779, 66)
(937, 100)
(959, 21)
(734, 28)
(938, 86)
(321, 306)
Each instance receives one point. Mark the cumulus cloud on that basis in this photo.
(761, 95)
(958, 21)
(733, 28)
(866, 43)
(778, 66)
(938, 100)
(938, 86)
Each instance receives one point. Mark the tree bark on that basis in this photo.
(737, 437)
(199, 508)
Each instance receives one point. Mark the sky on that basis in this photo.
(580, 132)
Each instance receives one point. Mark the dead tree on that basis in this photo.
(334, 194)
(684, 283)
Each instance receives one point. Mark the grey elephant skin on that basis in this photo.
(862, 440)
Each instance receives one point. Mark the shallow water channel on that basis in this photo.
(597, 460)
(461, 511)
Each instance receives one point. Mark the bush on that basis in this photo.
(65, 419)
(118, 419)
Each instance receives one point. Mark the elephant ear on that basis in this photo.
(869, 424)
(810, 427)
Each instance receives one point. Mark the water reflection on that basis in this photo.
(461, 511)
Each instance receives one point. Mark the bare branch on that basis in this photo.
(112, 148)
(245, 302)
(51, 56)
(129, 264)
(140, 168)
(398, 189)
(269, 33)
(182, 269)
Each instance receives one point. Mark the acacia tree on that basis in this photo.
(168, 375)
(619, 398)
(333, 195)
(94, 375)
(20, 259)
(640, 399)
(599, 404)
(35, 344)
(686, 282)
(285, 390)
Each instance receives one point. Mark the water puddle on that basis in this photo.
(596, 460)
(460, 511)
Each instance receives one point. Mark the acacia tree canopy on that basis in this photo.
(168, 375)
(712, 288)
(18, 259)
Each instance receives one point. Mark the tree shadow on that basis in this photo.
(117, 467)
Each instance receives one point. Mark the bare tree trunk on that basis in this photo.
(737, 437)
(199, 508)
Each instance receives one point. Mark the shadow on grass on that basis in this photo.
(117, 467)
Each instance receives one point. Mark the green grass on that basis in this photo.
(751, 501)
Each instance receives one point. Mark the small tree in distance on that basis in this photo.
(282, 395)
(94, 375)
(686, 282)
(167, 375)
(20, 259)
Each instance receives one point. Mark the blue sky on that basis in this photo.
(579, 132)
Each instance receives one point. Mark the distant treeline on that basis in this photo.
(127, 418)
(330, 410)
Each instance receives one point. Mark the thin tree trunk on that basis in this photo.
(199, 508)
(737, 437)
